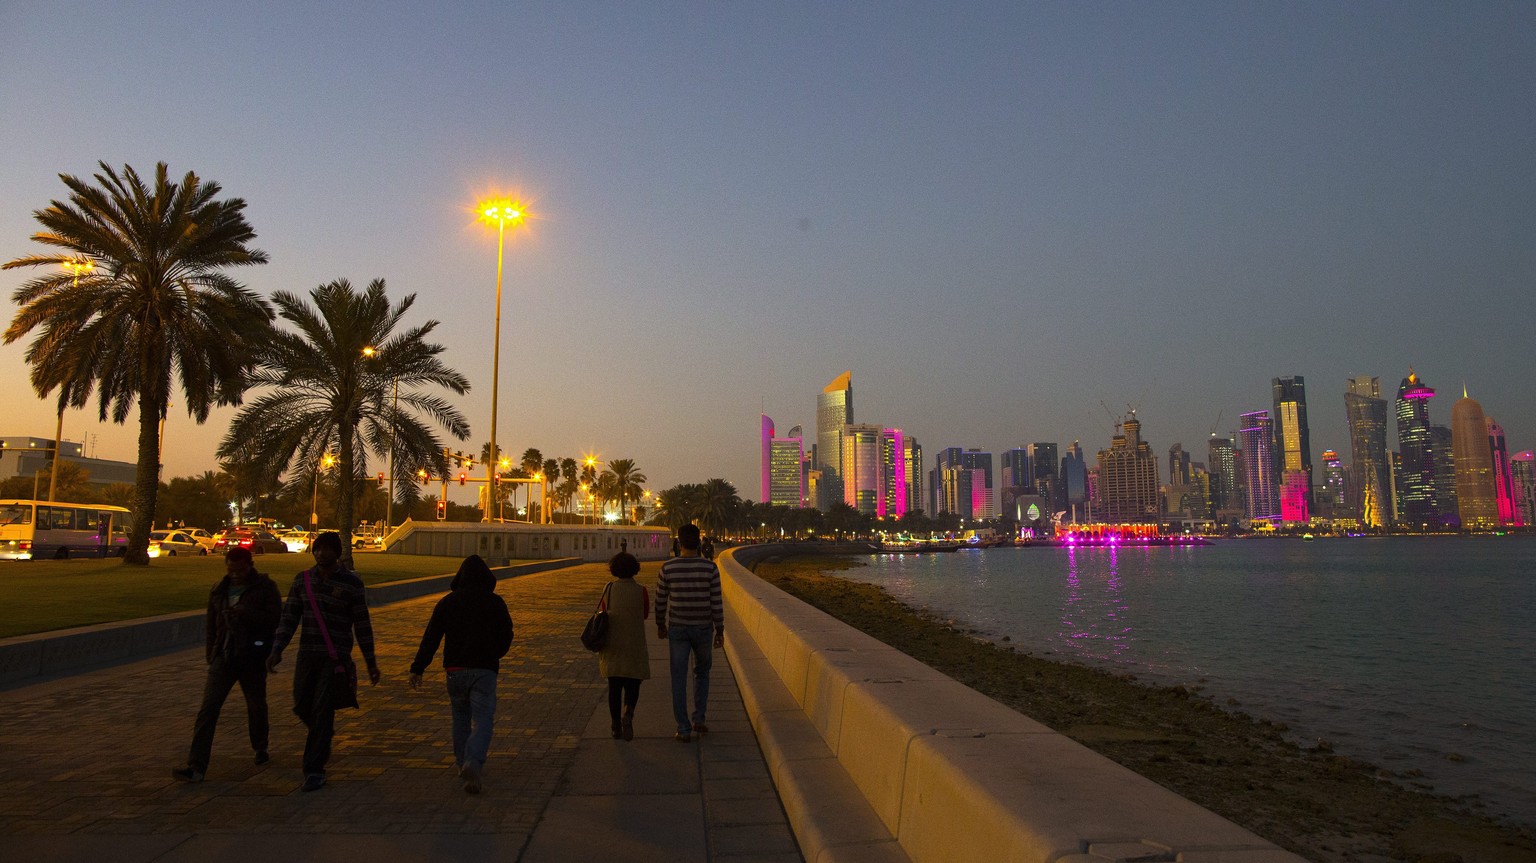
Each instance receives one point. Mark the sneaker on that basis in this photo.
(700, 728)
(683, 737)
(471, 779)
(187, 774)
(262, 757)
(628, 728)
(313, 782)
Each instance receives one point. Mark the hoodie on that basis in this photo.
(473, 621)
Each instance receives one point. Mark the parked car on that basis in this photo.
(258, 541)
(204, 538)
(297, 540)
(169, 543)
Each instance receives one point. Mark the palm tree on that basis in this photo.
(153, 304)
(324, 394)
(717, 504)
(532, 463)
(568, 470)
(626, 481)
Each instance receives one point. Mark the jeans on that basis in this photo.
(223, 674)
(472, 695)
(311, 703)
(682, 641)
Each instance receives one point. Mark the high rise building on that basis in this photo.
(1442, 444)
(1074, 483)
(861, 467)
(1335, 500)
(983, 498)
(962, 483)
(892, 502)
(1016, 472)
(834, 411)
(1257, 436)
(1293, 447)
(1045, 465)
(1221, 462)
(1522, 470)
(784, 466)
(1366, 412)
(1476, 494)
(1416, 481)
(1128, 488)
(1503, 477)
(1178, 465)
(912, 464)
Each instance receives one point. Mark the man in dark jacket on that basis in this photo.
(478, 630)
(243, 609)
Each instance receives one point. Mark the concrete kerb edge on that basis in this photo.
(26, 658)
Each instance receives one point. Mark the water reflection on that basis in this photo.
(1095, 622)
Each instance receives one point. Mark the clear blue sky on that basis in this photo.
(997, 215)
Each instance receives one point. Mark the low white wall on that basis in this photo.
(950, 773)
(499, 542)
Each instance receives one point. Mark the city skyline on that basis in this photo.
(1004, 218)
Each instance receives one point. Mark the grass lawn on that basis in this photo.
(43, 595)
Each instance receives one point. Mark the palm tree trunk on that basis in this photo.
(344, 490)
(146, 485)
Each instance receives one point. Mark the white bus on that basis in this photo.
(39, 530)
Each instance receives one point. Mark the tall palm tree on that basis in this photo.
(532, 463)
(717, 504)
(155, 304)
(626, 481)
(324, 394)
(568, 469)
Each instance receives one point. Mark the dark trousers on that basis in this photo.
(222, 676)
(626, 687)
(312, 704)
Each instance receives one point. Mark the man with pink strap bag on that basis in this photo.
(331, 603)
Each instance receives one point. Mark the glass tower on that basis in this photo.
(1366, 412)
(834, 411)
(1257, 436)
(1416, 482)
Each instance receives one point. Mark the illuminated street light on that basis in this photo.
(500, 212)
(314, 500)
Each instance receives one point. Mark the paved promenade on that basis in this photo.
(85, 762)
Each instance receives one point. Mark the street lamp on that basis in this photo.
(500, 212)
(314, 500)
(75, 266)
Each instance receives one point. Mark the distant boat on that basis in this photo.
(914, 546)
(1307, 537)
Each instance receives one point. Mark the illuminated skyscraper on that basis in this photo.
(1221, 461)
(1178, 465)
(1522, 468)
(1257, 436)
(783, 468)
(1044, 464)
(861, 467)
(1476, 496)
(1293, 447)
(766, 440)
(962, 483)
(834, 411)
(912, 464)
(1366, 412)
(892, 502)
(1334, 502)
(1016, 472)
(1503, 477)
(1128, 491)
(1416, 481)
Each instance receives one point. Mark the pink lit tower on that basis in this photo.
(1503, 477)
(1476, 492)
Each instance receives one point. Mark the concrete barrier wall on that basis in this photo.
(950, 773)
(46, 654)
(498, 542)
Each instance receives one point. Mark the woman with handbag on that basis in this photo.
(624, 659)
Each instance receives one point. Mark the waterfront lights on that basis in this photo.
(501, 212)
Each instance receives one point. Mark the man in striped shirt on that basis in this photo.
(688, 610)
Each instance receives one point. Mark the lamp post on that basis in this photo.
(314, 500)
(501, 212)
(75, 266)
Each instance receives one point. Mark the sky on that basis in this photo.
(1011, 221)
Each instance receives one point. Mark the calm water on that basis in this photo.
(1404, 652)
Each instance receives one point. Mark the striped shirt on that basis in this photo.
(344, 605)
(688, 594)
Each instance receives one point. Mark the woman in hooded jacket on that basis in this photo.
(625, 660)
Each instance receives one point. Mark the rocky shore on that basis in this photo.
(1322, 805)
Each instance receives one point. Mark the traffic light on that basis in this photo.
(381, 479)
(442, 510)
(463, 477)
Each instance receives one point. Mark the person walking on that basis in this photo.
(332, 605)
(477, 628)
(688, 607)
(625, 660)
(243, 609)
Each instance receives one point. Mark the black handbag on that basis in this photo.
(594, 636)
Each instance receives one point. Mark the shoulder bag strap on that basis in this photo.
(325, 630)
(602, 601)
